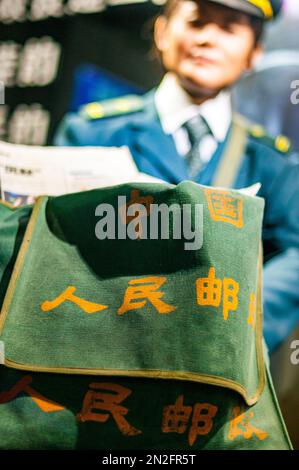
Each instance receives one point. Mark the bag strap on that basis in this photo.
(233, 153)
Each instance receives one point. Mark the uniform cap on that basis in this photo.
(264, 9)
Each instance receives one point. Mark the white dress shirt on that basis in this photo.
(175, 107)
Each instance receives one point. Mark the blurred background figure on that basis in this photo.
(273, 87)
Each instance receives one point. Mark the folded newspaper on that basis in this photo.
(27, 172)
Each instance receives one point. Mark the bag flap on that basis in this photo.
(140, 307)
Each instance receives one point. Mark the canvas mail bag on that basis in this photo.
(115, 336)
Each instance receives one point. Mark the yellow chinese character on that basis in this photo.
(210, 291)
(224, 207)
(240, 425)
(139, 293)
(230, 296)
(252, 311)
(23, 386)
(68, 295)
(96, 403)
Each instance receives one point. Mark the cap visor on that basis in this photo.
(241, 5)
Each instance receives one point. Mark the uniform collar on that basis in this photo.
(174, 107)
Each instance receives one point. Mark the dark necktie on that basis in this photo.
(197, 128)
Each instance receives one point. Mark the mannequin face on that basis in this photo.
(206, 45)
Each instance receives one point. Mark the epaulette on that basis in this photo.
(280, 143)
(113, 107)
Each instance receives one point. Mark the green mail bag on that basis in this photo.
(132, 341)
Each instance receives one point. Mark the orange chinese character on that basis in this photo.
(68, 295)
(210, 290)
(145, 201)
(202, 421)
(176, 418)
(224, 207)
(252, 311)
(139, 293)
(96, 402)
(240, 425)
(23, 386)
